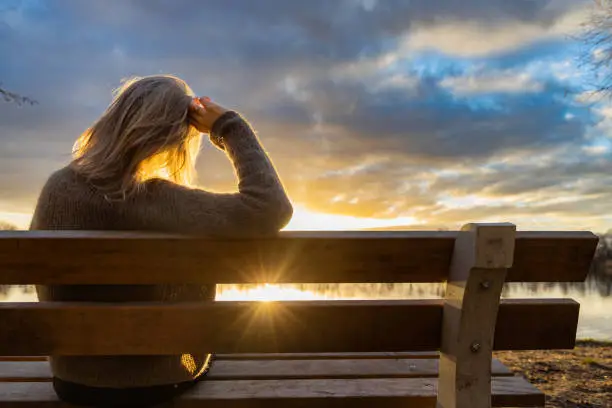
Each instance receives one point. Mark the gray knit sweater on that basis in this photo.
(69, 202)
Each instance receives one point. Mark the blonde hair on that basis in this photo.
(143, 134)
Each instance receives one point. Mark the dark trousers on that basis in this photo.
(138, 397)
(98, 397)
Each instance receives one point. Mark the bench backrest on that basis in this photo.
(93, 258)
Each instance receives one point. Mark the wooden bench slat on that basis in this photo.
(366, 393)
(287, 356)
(254, 327)
(552, 256)
(276, 369)
(85, 257)
(390, 392)
(327, 356)
(25, 371)
(23, 358)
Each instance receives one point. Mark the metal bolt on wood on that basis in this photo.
(475, 347)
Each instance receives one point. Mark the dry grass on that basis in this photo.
(579, 378)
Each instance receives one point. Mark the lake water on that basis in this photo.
(595, 297)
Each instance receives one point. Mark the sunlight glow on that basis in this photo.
(354, 291)
(307, 220)
(266, 293)
(19, 220)
(303, 220)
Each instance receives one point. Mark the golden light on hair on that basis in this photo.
(144, 133)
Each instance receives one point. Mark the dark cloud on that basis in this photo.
(432, 122)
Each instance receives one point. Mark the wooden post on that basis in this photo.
(482, 254)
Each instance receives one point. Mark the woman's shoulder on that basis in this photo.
(63, 174)
(63, 180)
(55, 208)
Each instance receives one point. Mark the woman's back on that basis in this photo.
(74, 200)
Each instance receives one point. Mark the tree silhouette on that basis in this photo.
(596, 55)
(5, 226)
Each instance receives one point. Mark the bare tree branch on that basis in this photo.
(13, 97)
(596, 55)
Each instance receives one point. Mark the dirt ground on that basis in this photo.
(579, 378)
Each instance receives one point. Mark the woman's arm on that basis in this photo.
(260, 206)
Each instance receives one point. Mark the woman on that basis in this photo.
(132, 171)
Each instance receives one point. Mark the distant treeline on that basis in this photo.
(600, 275)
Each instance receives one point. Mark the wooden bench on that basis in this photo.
(377, 353)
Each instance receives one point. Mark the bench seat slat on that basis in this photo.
(88, 257)
(388, 392)
(287, 356)
(326, 356)
(253, 327)
(16, 371)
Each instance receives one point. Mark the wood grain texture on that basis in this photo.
(23, 358)
(565, 257)
(287, 356)
(326, 356)
(15, 371)
(482, 254)
(383, 393)
(25, 371)
(489, 246)
(70, 257)
(531, 332)
(276, 327)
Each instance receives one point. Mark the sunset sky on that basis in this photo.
(427, 114)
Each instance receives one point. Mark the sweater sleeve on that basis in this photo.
(260, 206)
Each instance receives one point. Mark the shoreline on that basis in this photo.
(578, 378)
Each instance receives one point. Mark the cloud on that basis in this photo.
(368, 108)
(492, 82)
(479, 37)
(429, 122)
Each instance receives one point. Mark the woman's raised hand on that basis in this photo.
(203, 113)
